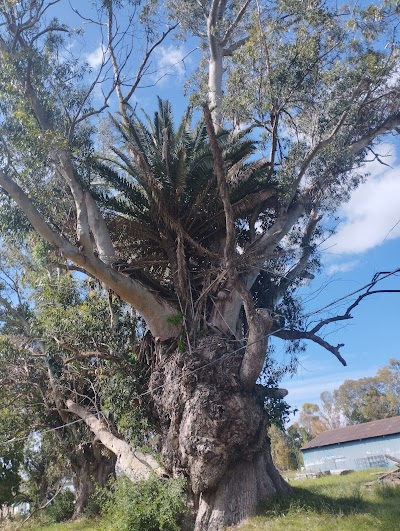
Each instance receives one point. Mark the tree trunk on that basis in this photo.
(214, 432)
(91, 469)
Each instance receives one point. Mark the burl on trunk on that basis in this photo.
(214, 432)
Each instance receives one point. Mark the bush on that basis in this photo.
(63, 507)
(92, 508)
(152, 505)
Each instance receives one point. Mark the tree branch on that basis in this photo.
(235, 23)
(292, 334)
(347, 314)
(152, 307)
(302, 334)
(230, 239)
(133, 463)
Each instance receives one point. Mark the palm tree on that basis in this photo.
(164, 210)
(164, 204)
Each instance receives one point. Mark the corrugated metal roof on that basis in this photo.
(376, 428)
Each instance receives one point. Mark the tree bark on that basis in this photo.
(133, 464)
(214, 432)
(91, 468)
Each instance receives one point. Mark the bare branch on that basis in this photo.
(214, 12)
(228, 52)
(311, 335)
(392, 123)
(347, 314)
(302, 334)
(144, 62)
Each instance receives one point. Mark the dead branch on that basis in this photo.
(293, 334)
(303, 334)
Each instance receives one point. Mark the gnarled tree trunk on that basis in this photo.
(214, 432)
(93, 467)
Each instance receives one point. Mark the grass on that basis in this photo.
(79, 525)
(332, 503)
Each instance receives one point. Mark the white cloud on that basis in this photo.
(96, 58)
(342, 267)
(170, 60)
(373, 213)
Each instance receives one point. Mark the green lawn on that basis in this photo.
(81, 525)
(336, 503)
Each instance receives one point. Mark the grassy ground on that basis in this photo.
(81, 525)
(332, 503)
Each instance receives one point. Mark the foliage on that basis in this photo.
(70, 316)
(373, 398)
(62, 508)
(283, 454)
(152, 505)
(13, 426)
(167, 199)
(298, 437)
(10, 460)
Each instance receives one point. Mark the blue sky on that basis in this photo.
(366, 241)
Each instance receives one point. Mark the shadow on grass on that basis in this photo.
(305, 500)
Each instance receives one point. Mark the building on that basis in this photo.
(354, 447)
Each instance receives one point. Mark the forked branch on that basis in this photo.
(312, 335)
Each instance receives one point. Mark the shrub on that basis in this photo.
(63, 507)
(152, 505)
(92, 508)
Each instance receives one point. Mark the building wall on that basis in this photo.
(355, 455)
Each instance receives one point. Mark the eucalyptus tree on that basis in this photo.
(371, 398)
(206, 236)
(38, 373)
(12, 426)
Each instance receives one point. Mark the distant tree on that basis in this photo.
(316, 418)
(355, 401)
(373, 398)
(298, 437)
(310, 419)
(283, 453)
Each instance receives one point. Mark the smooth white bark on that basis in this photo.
(152, 307)
(136, 465)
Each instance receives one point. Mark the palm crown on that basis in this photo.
(162, 203)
